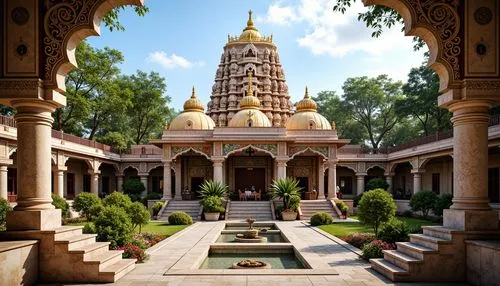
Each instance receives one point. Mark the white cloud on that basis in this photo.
(171, 62)
(335, 34)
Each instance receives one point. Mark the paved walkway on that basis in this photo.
(185, 248)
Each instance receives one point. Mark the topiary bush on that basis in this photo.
(133, 187)
(84, 202)
(180, 218)
(423, 202)
(113, 225)
(377, 183)
(443, 202)
(139, 215)
(394, 230)
(61, 204)
(117, 199)
(374, 249)
(375, 208)
(157, 207)
(358, 239)
(4, 208)
(321, 218)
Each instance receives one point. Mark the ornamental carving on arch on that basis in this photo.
(205, 150)
(271, 148)
(372, 165)
(351, 166)
(294, 150)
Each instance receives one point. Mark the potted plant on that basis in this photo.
(287, 189)
(211, 188)
(212, 207)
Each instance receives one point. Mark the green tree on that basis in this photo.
(149, 112)
(376, 207)
(420, 101)
(84, 202)
(332, 107)
(111, 19)
(403, 132)
(423, 201)
(139, 215)
(370, 102)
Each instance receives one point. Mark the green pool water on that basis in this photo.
(226, 260)
(271, 237)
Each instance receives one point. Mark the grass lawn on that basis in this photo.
(160, 227)
(346, 228)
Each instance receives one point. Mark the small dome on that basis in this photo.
(193, 116)
(250, 33)
(306, 117)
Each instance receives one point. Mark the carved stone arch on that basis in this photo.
(308, 149)
(250, 66)
(129, 165)
(423, 162)
(116, 166)
(350, 166)
(65, 25)
(12, 150)
(250, 48)
(247, 147)
(373, 165)
(438, 24)
(391, 167)
(190, 149)
(53, 158)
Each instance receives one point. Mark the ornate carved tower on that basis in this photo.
(255, 53)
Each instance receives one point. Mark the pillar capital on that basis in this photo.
(143, 174)
(94, 172)
(60, 168)
(361, 174)
(417, 172)
(389, 174)
(166, 163)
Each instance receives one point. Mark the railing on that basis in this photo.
(423, 140)
(79, 140)
(9, 121)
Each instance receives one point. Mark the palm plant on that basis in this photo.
(286, 189)
(211, 188)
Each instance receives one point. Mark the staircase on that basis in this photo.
(310, 207)
(69, 256)
(241, 210)
(192, 208)
(436, 255)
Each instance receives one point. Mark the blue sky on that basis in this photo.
(183, 41)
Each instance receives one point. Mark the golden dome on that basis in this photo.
(307, 104)
(193, 116)
(307, 116)
(250, 33)
(193, 103)
(250, 114)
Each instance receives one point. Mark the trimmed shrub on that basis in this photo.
(4, 208)
(358, 239)
(61, 204)
(95, 211)
(374, 249)
(157, 207)
(139, 215)
(84, 202)
(135, 252)
(423, 202)
(342, 206)
(321, 218)
(180, 218)
(444, 201)
(375, 208)
(377, 183)
(89, 228)
(117, 199)
(394, 230)
(113, 225)
(212, 204)
(133, 187)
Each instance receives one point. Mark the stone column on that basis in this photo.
(417, 180)
(470, 209)
(167, 178)
(34, 210)
(321, 180)
(281, 168)
(217, 165)
(3, 182)
(388, 179)
(59, 181)
(178, 180)
(94, 182)
(144, 180)
(360, 183)
(119, 182)
(332, 180)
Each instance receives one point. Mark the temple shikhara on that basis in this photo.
(249, 134)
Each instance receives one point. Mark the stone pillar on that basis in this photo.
(388, 179)
(94, 182)
(321, 180)
(144, 180)
(417, 180)
(360, 183)
(167, 178)
(59, 181)
(470, 209)
(3, 182)
(34, 210)
(119, 182)
(281, 169)
(178, 180)
(217, 165)
(332, 180)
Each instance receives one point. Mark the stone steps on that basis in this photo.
(241, 210)
(192, 208)
(310, 207)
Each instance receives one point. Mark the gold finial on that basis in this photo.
(250, 20)
(193, 93)
(306, 95)
(250, 90)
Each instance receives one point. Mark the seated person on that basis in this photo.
(248, 193)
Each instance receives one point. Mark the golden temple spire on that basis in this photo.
(250, 90)
(193, 103)
(193, 93)
(306, 104)
(306, 95)
(250, 20)
(249, 101)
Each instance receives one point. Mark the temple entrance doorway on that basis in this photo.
(245, 178)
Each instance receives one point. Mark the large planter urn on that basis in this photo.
(289, 215)
(212, 216)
